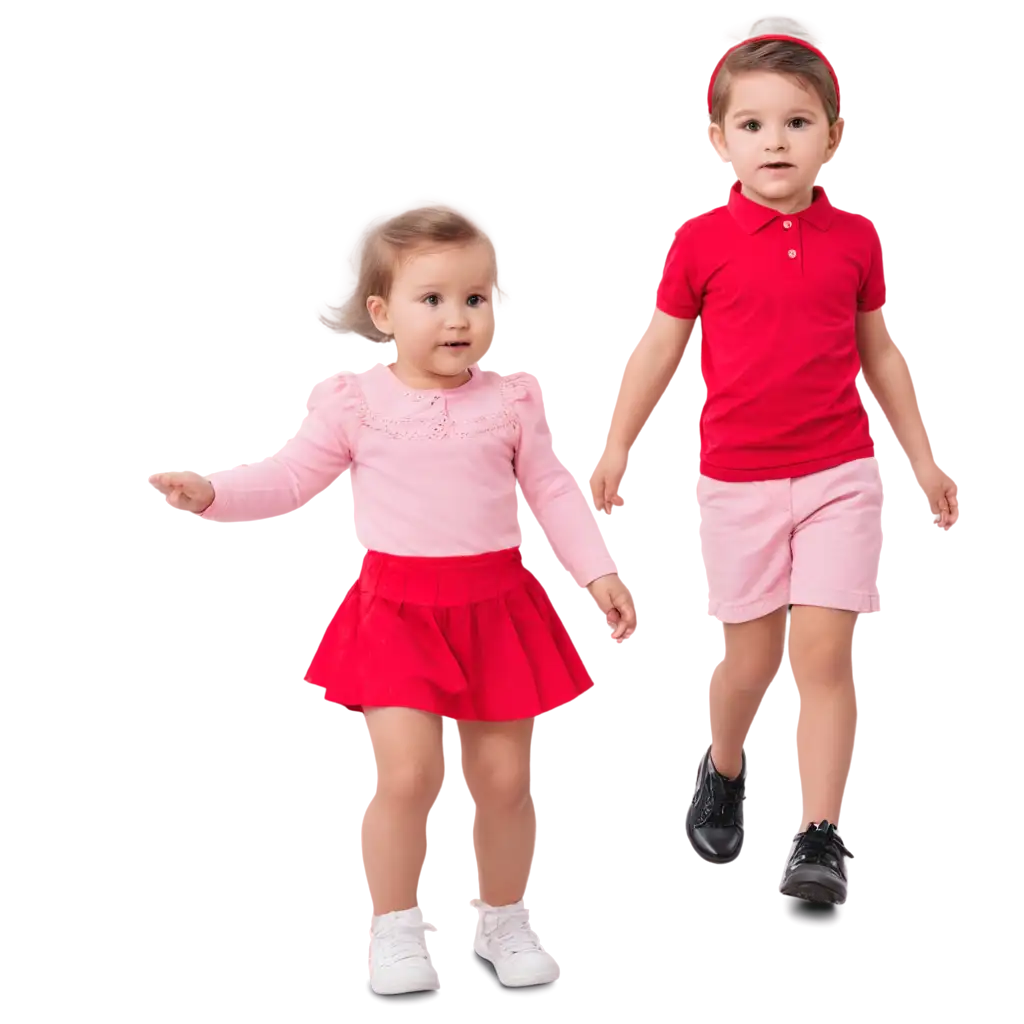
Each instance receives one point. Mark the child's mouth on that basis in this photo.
(780, 166)
(456, 344)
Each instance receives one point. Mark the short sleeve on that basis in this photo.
(871, 294)
(680, 293)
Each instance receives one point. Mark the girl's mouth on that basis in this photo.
(456, 344)
(779, 165)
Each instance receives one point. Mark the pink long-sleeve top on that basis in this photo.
(433, 472)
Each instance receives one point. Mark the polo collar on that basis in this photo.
(753, 216)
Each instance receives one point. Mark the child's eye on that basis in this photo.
(799, 122)
(476, 300)
(432, 300)
(751, 126)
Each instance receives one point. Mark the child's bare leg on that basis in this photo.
(410, 768)
(496, 762)
(820, 651)
(753, 653)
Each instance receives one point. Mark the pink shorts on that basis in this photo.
(812, 540)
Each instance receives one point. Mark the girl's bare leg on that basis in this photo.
(496, 762)
(410, 768)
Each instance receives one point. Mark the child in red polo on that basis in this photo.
(789, 290)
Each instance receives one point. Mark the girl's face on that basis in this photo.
(439, 313)
(776, 135)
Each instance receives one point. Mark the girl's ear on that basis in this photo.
(378, 310)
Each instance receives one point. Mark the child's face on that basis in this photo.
(773, 120)
(439, 311)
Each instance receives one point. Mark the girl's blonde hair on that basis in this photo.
(780, 56)
(386, 245)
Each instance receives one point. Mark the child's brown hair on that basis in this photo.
(383, 248)
(781, 57)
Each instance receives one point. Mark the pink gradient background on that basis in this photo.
(179, 821)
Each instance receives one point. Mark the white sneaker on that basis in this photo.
(399, 961)
(504, 938)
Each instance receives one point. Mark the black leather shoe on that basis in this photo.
(714, 822)
(816, 870)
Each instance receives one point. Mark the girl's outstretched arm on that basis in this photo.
(300, 469)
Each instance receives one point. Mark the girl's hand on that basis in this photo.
(604, 484)
(616, 602)
(188, 491)
(941, 493)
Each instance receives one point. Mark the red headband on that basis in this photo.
(787, 39)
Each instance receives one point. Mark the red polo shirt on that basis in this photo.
(778, 297)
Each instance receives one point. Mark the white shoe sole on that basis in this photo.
(542, 979)
(403, 986)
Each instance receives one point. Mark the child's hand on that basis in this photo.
(188, 491)
(616, 602)
(604, 484)
(941, 493)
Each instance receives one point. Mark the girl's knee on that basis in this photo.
(404, 751)
(499, 781)
(496, 762)
(415, 782)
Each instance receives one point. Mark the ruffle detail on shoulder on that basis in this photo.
(339, 386)
(518, 387)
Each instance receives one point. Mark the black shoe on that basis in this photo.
(714, 822)
(816, 870)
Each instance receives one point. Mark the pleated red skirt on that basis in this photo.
(473, 638)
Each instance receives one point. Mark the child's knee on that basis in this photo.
(404, 751)
(754, 651)
(415, 782)
(821, 644)
(499, 781)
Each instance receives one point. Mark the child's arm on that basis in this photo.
(888, 377)
(551, 492)
(300, 469)
(660, 338)
(653, 354)
(888, 373)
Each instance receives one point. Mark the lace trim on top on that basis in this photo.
(442, 424)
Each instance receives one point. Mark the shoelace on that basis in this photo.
(514, 934)
(727, 799)
(819, 840)
(402, 942)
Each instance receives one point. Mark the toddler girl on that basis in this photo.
(444, 620)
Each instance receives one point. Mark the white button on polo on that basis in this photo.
(787, 224)
(792, 254)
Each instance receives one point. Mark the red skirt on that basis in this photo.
(473, 638)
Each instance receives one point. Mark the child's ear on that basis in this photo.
(378, 310)
(717, 137)
(836, 136)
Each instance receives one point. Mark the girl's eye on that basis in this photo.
(751, 126)
(799, 122)
(432, 300)
(476, 300)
